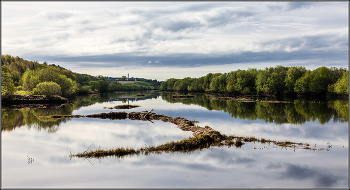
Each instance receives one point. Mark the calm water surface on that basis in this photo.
(49, 143)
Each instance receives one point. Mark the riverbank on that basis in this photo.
(261, 96)
(30, 100)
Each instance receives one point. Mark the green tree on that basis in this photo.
(207, 80)
(31, 79)
(302, 84)
(170, 83)
(47, 88)
(7, 84)
(196, 85)
(342, 85)
(271, 80)
(241, 81)
(319, 80)
(293, 74)
(218, 83)
(180, 85)
(262, 82)
(164, 85)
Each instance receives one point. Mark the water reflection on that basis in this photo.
(295, 112)
(13, 118)
(215, 167)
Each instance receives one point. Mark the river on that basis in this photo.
(36, 151)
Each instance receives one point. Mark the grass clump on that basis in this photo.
(238, 143)
(119, 152)
(24, 92)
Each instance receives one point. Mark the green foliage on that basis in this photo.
(164, 85)
(293, 74)
(49, 74)
(182, 85)
(207, 80)
(335, 74)
(23, 92)
(218, 83)
(84, 89)
(84, 79)
(196, 85)
(342, 85)
(100, 85)
(319, 80)
(29, 80)
(47, 88)
(262, 83)
(241, 81)
(272, 80)
(7, 84)
(302, 84)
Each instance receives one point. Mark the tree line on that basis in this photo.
(45, 79)
(271, 80)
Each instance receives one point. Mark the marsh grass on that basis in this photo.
(23, 92)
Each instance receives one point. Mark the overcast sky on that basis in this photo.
(161, 40)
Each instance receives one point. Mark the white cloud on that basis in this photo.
(170, 28)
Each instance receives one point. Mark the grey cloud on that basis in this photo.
(46, 40)
(195, 60)
(321, 179)
(298, 172)
(57, 15)
(90, 28)
(299, 5)
(178, 25)
(149, 35)
(226, 16)
(150, 14)
(178, 164)
(243, 160)
(318, 47)
(203, 6)
(83, 22)
(324, 180)
(309, 42)
(274, 165)
(275, 7)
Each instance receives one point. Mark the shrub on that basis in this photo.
(342, 85)
(47, 88)
(84, 89)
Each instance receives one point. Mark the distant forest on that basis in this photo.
(31, 77)
(273, 80)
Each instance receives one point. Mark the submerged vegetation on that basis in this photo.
(123, 107)
(202, 137)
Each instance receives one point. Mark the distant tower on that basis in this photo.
(128, 76)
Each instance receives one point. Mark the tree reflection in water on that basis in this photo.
(294, 112)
